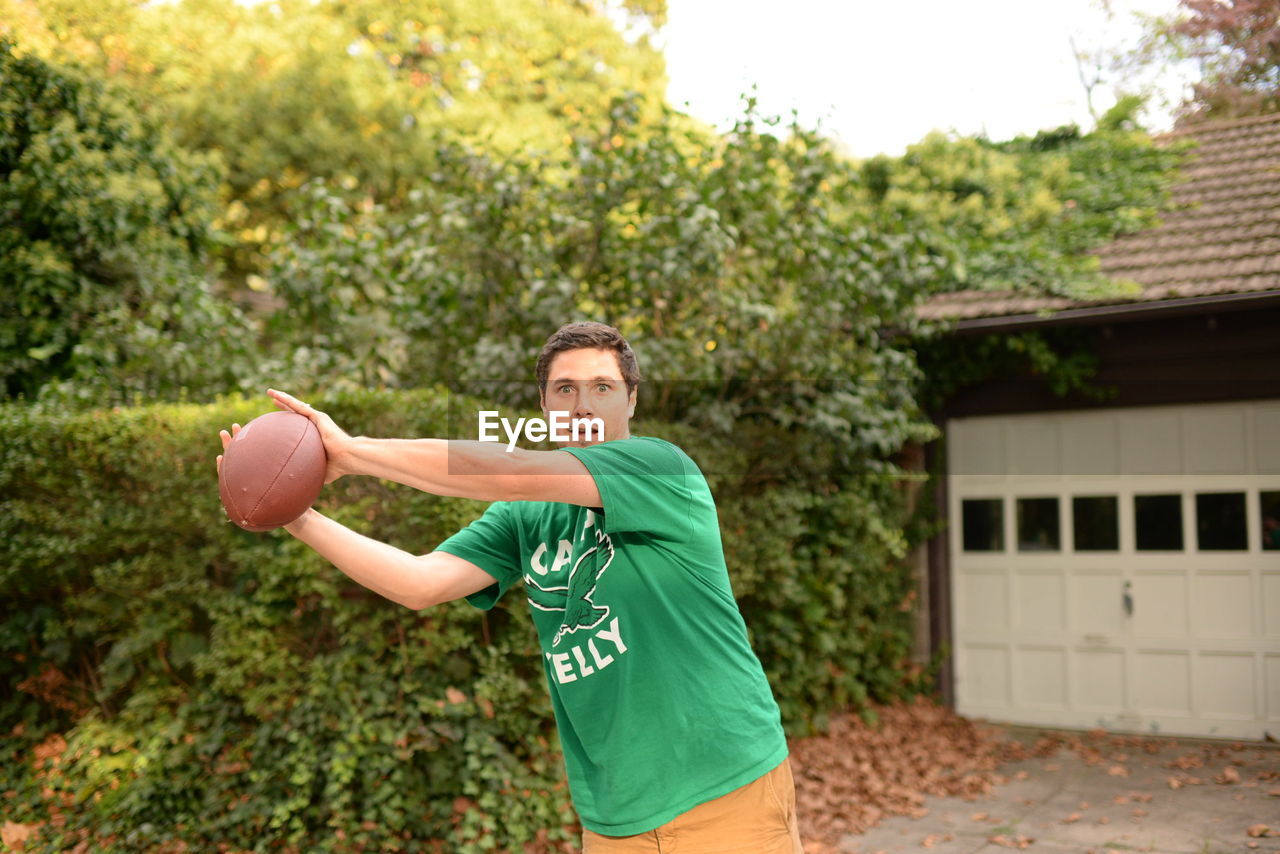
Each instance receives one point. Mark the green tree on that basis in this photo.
(745, 267)
(1025, 214)
(354, 92)
(104, 223)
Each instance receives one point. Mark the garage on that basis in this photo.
(1118, 568)
(1112, 559)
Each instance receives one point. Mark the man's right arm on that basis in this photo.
(415, 581)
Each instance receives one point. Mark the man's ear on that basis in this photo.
(631, 402)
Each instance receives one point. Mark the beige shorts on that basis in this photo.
(759, 818)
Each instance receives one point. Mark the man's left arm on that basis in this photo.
(486, 471)
(483, 470)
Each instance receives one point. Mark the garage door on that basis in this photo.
(1119, 568)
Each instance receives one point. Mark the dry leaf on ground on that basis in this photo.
(1011, 842)
(853, 775)
(15, 835)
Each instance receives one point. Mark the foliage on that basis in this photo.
(1064, 360)
(1226, 53)
(1237, 46)
(104, 223)
(750, 280)
(165, 676)
(353, 92)
(760, 277)
(1024, 215)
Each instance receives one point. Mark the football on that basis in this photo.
(272, 471)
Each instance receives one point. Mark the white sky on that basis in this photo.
(878, 75)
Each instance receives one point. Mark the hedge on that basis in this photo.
(170, 682)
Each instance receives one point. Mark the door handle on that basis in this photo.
(1127, 598)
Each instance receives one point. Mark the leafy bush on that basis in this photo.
(166, 677)
(104, 223)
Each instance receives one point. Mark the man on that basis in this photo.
(669, 728)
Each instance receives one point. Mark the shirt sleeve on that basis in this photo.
(491, 543)
(645, 485)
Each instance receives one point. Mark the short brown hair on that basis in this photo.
(589, 335)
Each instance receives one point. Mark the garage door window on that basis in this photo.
(1095, 523)
(1157, 522)
(1270, 513)
(983, 520)
(1038, 529)
(1220, 522)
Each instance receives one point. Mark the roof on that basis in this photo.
(1219, 243)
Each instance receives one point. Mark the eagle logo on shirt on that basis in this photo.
(574, 597)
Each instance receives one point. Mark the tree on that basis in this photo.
(1237, 46)
(1024, 214)
(104, 226)
(353, 92)
(1226, 52)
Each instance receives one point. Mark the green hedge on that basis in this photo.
(165, 676)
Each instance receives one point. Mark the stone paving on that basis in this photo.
(1181, 796)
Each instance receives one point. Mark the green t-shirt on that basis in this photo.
(660, 702)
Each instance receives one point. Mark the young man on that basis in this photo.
(669, 728)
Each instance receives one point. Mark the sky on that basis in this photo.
(878, 76)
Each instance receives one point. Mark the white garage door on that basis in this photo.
(1119, 568)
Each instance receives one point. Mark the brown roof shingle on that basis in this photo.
(1221, 237)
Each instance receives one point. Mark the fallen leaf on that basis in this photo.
(1228, 776)
(1138, 812)
(454, 696)
(1103, 820)
(1073, 818)
(1251, 845)
(15, 835)
(1118, 771)
(978, 816)
(1258, 830)
(1019, 842)
(1120, 799)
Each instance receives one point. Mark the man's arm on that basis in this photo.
(415, 581)
(459, 469)
(481, 470)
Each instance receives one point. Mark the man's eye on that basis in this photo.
(603, 387)
(566, 389)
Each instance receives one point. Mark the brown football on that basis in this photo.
(272, 471)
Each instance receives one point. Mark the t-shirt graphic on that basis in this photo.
(575, 598)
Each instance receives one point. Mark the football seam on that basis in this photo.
(283, 466)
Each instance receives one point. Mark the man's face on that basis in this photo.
(587, 384)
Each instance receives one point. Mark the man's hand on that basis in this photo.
(226, 440)
(337, 444)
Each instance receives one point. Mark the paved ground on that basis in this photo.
(1105, 794)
